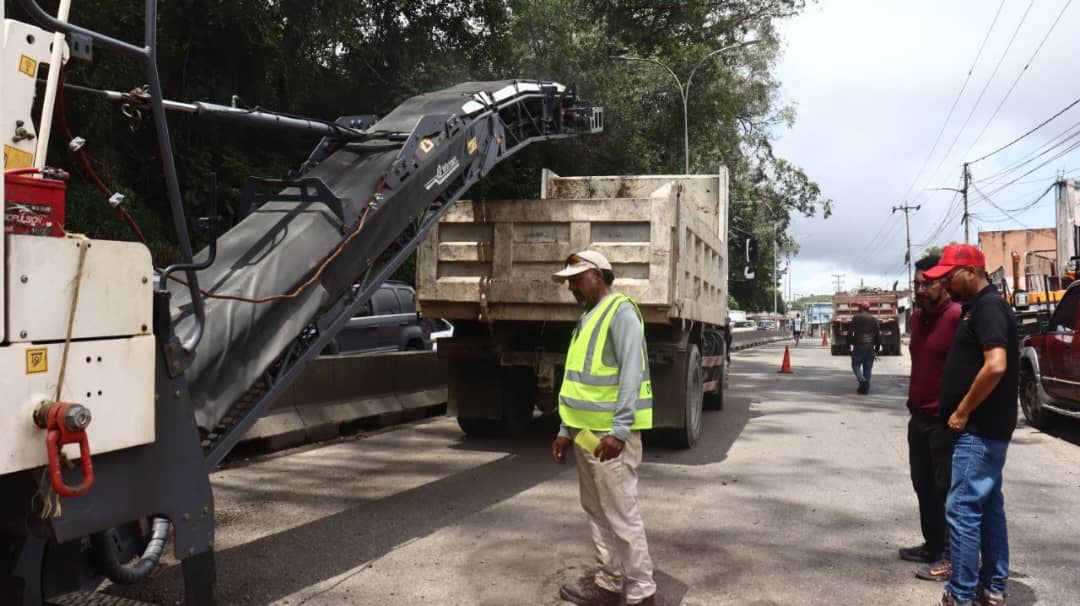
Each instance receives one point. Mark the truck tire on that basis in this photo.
(714, 400)
(686, 436)
(1030, 403)
(518, 394)
(479, 428)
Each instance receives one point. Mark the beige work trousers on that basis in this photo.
(610, 498)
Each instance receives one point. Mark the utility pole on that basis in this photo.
(838, 280)
(907, 227)
(776, 286)
(788, 280)
(967, 217)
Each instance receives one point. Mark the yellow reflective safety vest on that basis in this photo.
(590, 388)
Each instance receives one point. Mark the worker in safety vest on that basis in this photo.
(606, 393)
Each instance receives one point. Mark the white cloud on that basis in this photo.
(873, 82)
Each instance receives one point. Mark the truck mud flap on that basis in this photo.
(340, 389)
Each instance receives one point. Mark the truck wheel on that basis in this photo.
(1034, 412)
(518, 393)
(714, 400)
(479, 428)
(688, 435)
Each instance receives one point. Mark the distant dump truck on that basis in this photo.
(487, 268)
(883, 306)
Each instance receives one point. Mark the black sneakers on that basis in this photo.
(919, 554)
(585, 592)
(935, 571)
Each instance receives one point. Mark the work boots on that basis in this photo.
(864, 387)
(585, 592)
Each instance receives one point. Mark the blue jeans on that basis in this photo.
(975, 511)
(862, 361)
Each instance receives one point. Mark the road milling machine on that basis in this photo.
(125, 383)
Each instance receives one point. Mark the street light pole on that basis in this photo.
(684, 89)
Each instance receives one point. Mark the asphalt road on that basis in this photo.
(798, 494)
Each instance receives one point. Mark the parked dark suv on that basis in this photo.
(1050, 365)
(387, 323)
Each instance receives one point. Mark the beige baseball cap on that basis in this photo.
(580, 262)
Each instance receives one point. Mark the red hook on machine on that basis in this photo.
(66, 423)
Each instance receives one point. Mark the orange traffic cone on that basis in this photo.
(824, 338)
(786, 366)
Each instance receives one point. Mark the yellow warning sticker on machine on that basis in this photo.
(37, 360)
(17, 158)
(473, 146)
(28, 66)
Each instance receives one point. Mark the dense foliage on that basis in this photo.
(326, 58)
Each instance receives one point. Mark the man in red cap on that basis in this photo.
(865, 341)
(978, 398)
(930, 442)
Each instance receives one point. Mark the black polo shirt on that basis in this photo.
(985, 320)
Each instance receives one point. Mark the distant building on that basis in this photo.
(1037, 249)
(818, 315)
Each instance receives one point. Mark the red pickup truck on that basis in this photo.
(1050, 365)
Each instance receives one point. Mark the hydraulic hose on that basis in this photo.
(103, 544)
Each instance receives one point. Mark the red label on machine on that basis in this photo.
(33, 205)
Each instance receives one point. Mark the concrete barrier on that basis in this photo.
(335, 390)
(341, 389)
(750, 338)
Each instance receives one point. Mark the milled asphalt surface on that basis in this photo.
(799, 493)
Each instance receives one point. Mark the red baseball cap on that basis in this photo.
(956, 255)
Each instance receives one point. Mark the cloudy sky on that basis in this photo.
(873, 83)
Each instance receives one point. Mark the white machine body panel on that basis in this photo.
(114, 378)
(25, 48)
(115, 291)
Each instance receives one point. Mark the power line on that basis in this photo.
(1061, 154)
(946, 219)
(963, 87)
(1057, 141)
(1018, 76)
(1001, 210)
(1034, 202)
(985, 87)
(1021, 137)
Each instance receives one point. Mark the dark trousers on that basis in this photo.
(930, 449)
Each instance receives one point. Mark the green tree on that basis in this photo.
(326, 59)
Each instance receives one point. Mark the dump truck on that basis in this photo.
(883, 306)
(126, 383)
(487, 268)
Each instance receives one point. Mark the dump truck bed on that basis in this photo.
(665, 236)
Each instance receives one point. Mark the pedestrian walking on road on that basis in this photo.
(866, 342)
(978, 397)
(607, 394)
(930, 442)
(796, 328)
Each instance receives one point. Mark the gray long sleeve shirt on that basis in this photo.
(622, 349)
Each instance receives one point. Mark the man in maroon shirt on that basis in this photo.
(930, 442)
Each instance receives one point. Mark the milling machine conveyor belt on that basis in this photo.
(420, 158)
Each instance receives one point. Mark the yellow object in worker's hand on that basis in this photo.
(588, 440)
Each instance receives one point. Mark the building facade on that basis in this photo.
(1037, 249)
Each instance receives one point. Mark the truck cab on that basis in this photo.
(1050, 365)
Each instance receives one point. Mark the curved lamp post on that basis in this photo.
(684, 89)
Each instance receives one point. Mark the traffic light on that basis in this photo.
(751, 250)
